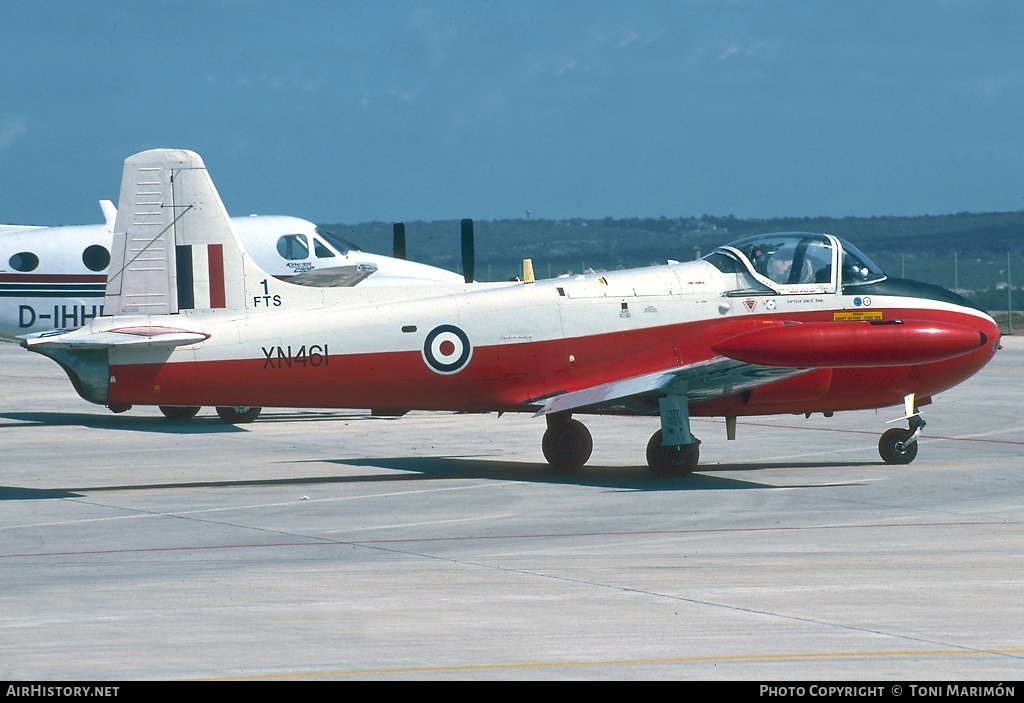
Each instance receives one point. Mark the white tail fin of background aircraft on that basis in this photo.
(109, 214)
(174, 246)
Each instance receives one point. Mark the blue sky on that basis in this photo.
(346, 112)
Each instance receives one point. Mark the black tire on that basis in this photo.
(892, 449)
(238, 415)
(180, 412)
(567, 445)
(672, 462)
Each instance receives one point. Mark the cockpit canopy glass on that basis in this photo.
(801, 259)
(857, 268)
(789, 259)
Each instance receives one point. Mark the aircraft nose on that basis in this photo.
(990, 335)
(975, 317)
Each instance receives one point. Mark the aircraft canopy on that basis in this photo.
(802, 259)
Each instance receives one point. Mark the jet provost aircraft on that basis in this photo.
(780, 323)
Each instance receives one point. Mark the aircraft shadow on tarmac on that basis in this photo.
(199, 425)
(632, 478)
(625, 478)
(202, 424)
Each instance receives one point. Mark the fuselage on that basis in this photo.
(506, 346)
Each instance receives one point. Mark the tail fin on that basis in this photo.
(174, 247)
(109, 214)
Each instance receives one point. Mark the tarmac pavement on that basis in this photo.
(336, 545)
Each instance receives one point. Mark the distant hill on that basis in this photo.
(965, 250)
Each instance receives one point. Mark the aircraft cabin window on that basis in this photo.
(293, 247)
(322, 252)
(96, 257)
(24, 261)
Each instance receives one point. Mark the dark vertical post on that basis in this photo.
(399, 240)
(468, 251)
(1009, 297)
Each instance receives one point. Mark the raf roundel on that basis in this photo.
(447, 349)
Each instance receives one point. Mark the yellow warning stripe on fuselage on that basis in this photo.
(855, 315)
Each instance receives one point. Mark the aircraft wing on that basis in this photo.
(704, 380)
(140, 336)
(334, 277)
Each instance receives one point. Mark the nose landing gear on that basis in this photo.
(899, 446)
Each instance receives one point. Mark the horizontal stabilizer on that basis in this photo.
(334, 277)
(139, 336)
(852, 344)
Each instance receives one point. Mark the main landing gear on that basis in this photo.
(238, 415)
(899, 446)
(180, 412)
(672, 461)
(567, 443)
(672, 452)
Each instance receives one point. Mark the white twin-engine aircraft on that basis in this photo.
(770, 324)
(55, 277)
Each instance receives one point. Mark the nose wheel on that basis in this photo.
(895, 446)
(898, 445)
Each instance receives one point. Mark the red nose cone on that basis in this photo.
(852, 344)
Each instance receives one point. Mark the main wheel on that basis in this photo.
(238, 415)
(893, 449)
(672, 461)
(567, 445)
(180, 412)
